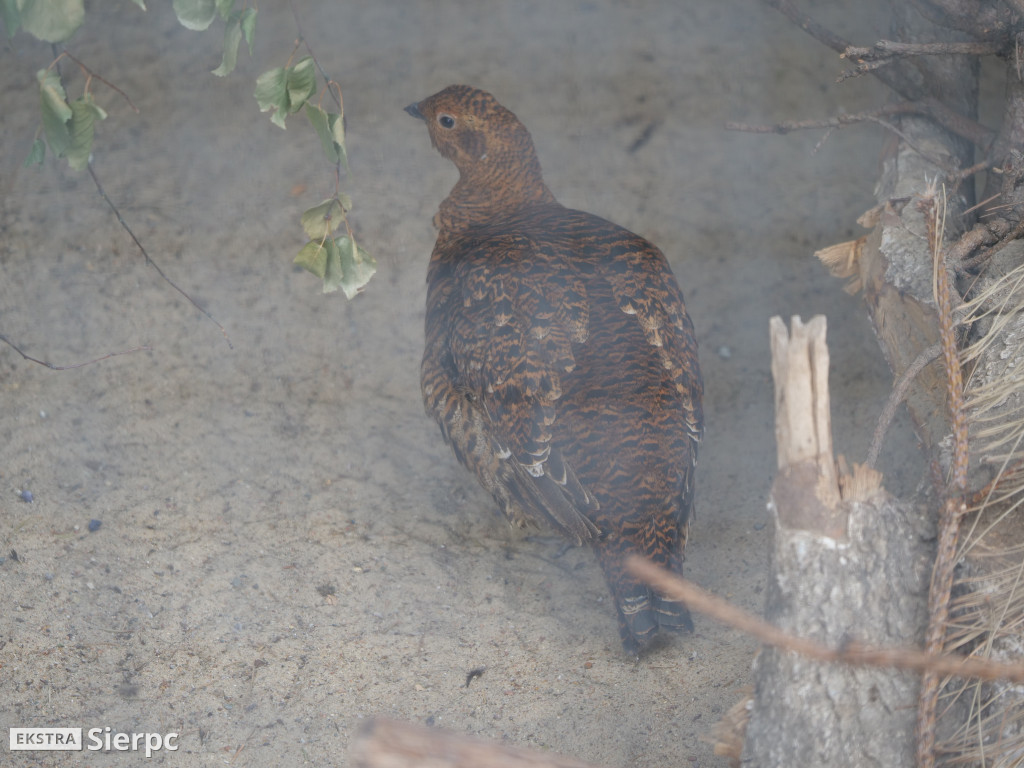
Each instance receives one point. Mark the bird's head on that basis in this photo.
(469, 127)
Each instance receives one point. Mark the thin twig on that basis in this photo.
(955, 507)
(957, 178)
(106, 82)
(987, 200)
(973, 263)
(809, 25)
(897, 396)
(925, 108)
(854, 654)
(335, 90)
(53, 367)
(900, 108)
(863, 68)
(886, 48)
(124, 224)
(892, 77)
(887, 51)
(305, 42)
(977, 236)
(935, 160)
(982, 496)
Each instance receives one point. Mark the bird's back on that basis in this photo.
(560, 362)
(539, 322)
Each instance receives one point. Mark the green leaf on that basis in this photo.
(52, 21)
(51, 91)
(85, 113)
(224, 8)
(338, 134)
(333, 274)
(270, 89)
(301, 83)
(357, 267)
(321, 220)
(11, 16)
(36, 155)
(330, 127)
(195, 14)
(271, 93)
(319, 119)
(232, 37)
(340, 263)
(54, 111)
(285, 90)
(248, 25)
(98, 111)
(82, 131)
(313, 257)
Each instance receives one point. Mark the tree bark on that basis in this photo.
(849, 563)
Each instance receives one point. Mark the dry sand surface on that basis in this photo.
(286, 546)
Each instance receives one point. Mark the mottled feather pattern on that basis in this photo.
(559, 361)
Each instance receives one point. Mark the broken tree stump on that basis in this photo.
(848, 564)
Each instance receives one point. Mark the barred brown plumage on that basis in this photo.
(560, 362)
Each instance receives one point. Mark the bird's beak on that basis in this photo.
(414, 110)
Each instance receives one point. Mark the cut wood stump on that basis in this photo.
(848, 564)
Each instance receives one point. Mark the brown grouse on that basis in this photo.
(560, 362)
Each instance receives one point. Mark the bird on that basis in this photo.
(559, 360)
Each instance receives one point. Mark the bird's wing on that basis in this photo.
(500, 325)
(644, 287)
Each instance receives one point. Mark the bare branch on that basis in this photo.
(898, 394)
(124, 224)
(931, 157)
(854, 654)
(838, 121)
(309, 48)
(110, 85)
(53, 367)
(968, 129)
(943, 115)
(887, 51)
(863, 68)
(809, 25)
(973, 263)
(955, 508)
(957, 178)
(977, 236)
(383, 743)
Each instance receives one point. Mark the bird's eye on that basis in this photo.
(446, 121)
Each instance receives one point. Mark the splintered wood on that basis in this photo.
(806, 490)
(847, 572)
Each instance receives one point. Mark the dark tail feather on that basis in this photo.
(641, 611)
(672, 614)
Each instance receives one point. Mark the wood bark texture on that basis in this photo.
(843, 569)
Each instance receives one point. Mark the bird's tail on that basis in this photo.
(642, 611)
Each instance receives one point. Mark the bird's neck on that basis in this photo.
(491, 190)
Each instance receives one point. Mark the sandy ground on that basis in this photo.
(286, 546)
